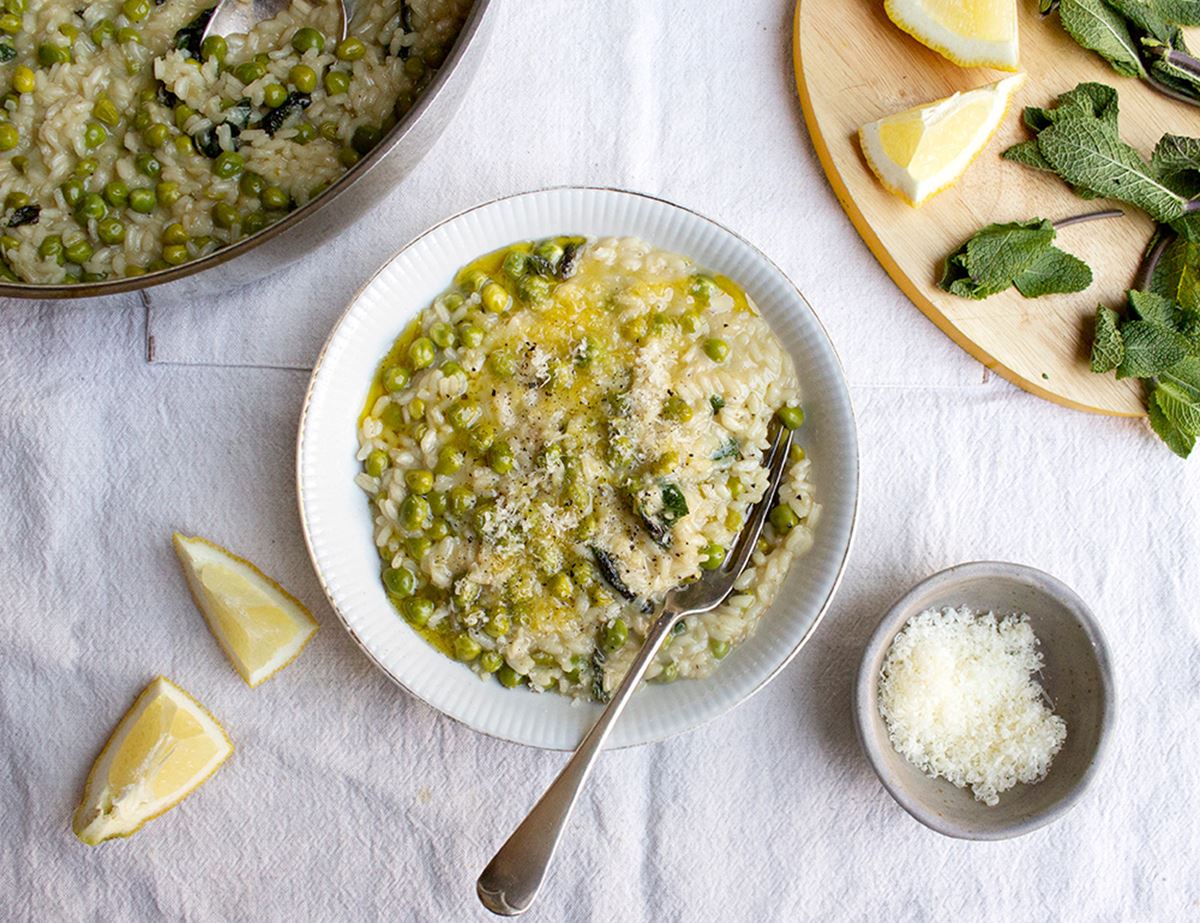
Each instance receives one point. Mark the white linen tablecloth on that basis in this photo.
(348, 800)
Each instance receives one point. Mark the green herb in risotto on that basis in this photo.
(568, 432)
(127, 147)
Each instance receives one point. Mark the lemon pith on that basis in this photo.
(919, 152)
(160, 752)
(258, 624)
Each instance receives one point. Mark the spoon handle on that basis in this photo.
(511, 880)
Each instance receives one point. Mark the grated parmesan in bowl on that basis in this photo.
(959, 697)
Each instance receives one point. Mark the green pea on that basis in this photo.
(400, 581)
(703, 288)
(348, 157)
(791, 417)
(491, 661)
(452, 368)
(470, 335)
(689, 322)
(509, 678)
(421, 352)
(181, 114)
(275, 197)
(156, 134)
(86, 167)
(303, 132)
(91, 206)
(712, 556)
(418, 610)
(503, 363)
(498, 623)
(351, 49)
(496, 299)
(438, 503)
(534, 289)
(482, 437)
(103, 31)
(303, 78)
(16, 199)
(416, 408)
(147, 165)
(214, 46)
(415, 513)
(418, 546)
(228, 164)
(225, 215)
(175, 254)
(442, 334)
(184, 146)
(466, 648)
(562, 588)
(116, 193)
(464, 414)
(365, 137)
(668, 674)
(50, 54)
(615, 636)
(10, 23)
(136, 10)
(94, 134)
(395, 379)
(142, 200)
(252, 184)
(677, 409)
(460, 499)
(111, 231)
(167, 193)
(247, 72)
(51, 248)
(783, 518)
(336, 82)
(438, 529)
(254, 222)
(716, 349)
(308, 39)
(376, 462)
(515, 265)
(79, 252)
(328, 130)
(500, 457)
(128, 35)
(274, 95)
(449, 460)
(10, 136)
(718, 648)
(175, 234)
(419, 480)
(24, 80)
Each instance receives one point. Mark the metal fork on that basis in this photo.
(510, 883)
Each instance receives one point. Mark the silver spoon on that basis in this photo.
(511, 880)
(234, 16)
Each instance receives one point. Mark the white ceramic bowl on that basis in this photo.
(335, 513)
(1075, 675)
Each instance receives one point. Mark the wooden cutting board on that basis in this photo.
(854, 66)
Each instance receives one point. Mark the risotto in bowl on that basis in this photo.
(552, 433)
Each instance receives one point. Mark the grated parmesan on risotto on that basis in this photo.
(572, 429)
(958, 695)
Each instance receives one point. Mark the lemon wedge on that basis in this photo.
(159, 753)
(919, 152)
(971, 33)
(260, 626)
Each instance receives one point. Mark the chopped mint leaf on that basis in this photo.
(1108, 349)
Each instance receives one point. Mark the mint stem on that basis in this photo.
(1089, 216)
(1163, 238)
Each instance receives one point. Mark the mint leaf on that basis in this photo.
(1095, 26)
(1176, 163)
(1179, 407)
(1177, 274)
(1028, 154)
(1180, 12)
(1149, 349)
(1108, 349)
(1155, 308)
(994, 256)
(1185, 376)
(1144, 18)
(1177, 440)
(1088, 152)
(1052, 273)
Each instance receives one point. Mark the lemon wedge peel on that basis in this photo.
(946, 26)
(899, 148)
(259, 625)
(104, 814)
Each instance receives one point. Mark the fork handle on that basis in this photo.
(511, 880)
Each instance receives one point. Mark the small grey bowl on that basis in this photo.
(1076, 676)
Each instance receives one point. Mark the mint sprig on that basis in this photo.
(1019, 254)
(1138, 38)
